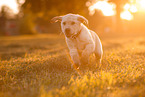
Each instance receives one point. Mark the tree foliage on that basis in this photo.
(38, 12)
(55, 7)
(119, 8)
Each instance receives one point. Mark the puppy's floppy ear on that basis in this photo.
(82, 19)
(56, 19)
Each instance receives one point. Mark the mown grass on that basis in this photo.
(39, 66)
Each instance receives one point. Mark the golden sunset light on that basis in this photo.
(72, 48)
(12, 4)
(108, 9)
(142, 3)
(126, 15)
(133, 8)
(128, 8)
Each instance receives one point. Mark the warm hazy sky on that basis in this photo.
(11, 4)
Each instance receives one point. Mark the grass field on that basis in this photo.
(39, 66)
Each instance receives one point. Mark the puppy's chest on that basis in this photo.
(81, 44)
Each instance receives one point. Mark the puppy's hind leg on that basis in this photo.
(98, 58)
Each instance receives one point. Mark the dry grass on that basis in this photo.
(39, 66)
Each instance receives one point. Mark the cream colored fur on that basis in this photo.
(86, 43)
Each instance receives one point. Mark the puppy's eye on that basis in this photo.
(64, 23)
(72, 23)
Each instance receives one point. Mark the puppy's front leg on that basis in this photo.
(87, 52)
(75, 58)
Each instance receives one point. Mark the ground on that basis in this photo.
(40, 66)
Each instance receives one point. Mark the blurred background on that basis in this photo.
(19, 17)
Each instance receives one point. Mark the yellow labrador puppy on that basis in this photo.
(81, 41)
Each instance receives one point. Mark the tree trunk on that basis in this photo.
(118, 18)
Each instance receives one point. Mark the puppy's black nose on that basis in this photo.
(67, 31)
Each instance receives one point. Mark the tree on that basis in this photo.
(44, 10)
(4, 14)
(119, 9)
(55, 7)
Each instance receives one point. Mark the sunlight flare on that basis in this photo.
(126, 6)
(142, 3)
(128, 10)
(133, 9)
(107, 9)
(12, 4)
(126, 15)
(130, 7)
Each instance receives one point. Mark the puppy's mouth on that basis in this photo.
(72, 35)
(68, 35)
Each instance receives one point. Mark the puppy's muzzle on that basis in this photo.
(67, 32)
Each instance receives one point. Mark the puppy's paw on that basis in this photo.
(76, 66)
(98, 64)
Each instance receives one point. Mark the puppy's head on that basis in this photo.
(70, 23)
